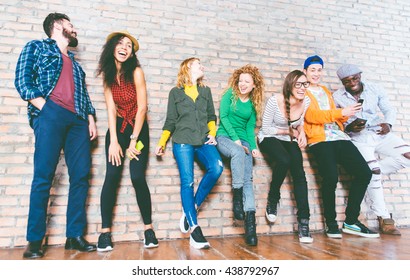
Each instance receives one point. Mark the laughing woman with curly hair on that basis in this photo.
(239, 108)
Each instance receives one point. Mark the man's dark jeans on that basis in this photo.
(56, 128)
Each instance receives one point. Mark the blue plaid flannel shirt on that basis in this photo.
(37, 72)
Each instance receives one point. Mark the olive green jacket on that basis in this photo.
(188, 120)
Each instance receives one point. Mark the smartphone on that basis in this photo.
(360, 101)
(139, 145)
(359, 122)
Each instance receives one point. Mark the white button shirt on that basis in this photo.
(375, 101)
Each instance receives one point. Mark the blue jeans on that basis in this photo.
(209, 157)
(241, 169)
(56, 128)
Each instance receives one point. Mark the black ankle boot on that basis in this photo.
(238, 213)
(250, 228)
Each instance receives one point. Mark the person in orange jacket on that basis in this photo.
(330, 146)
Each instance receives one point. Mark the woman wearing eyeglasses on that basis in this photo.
(330, 146)
(281, 137)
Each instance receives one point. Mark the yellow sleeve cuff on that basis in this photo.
(212, 128)
(164, 138)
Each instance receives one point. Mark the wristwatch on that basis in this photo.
(133, 137)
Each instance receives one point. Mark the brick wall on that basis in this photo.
(274, 35)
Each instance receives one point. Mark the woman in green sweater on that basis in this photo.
(239, 108)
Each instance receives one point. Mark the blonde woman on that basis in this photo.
(240, 106)
(191, 121)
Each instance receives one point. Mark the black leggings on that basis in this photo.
(137, 172)
(288, 157)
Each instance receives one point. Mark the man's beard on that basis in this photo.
(72, 41)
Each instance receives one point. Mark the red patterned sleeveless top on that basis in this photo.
(125, 98)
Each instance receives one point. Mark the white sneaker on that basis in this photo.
(271, 217)
(305, 239)
(271, 211)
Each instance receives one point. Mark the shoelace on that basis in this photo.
(363, 227)
(271, 208)
(106, 237)
(150, 234)
(305, 230)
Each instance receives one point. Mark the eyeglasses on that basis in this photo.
(299, 84)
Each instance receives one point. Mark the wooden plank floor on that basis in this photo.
(270, 247)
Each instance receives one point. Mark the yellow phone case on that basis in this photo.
(139, 145)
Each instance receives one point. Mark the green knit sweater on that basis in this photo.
(237, 121)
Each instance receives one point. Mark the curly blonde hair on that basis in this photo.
(256, 95)
(184, 77)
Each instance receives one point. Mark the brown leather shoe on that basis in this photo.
(387, 226)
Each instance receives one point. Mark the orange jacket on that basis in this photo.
(315, 118)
